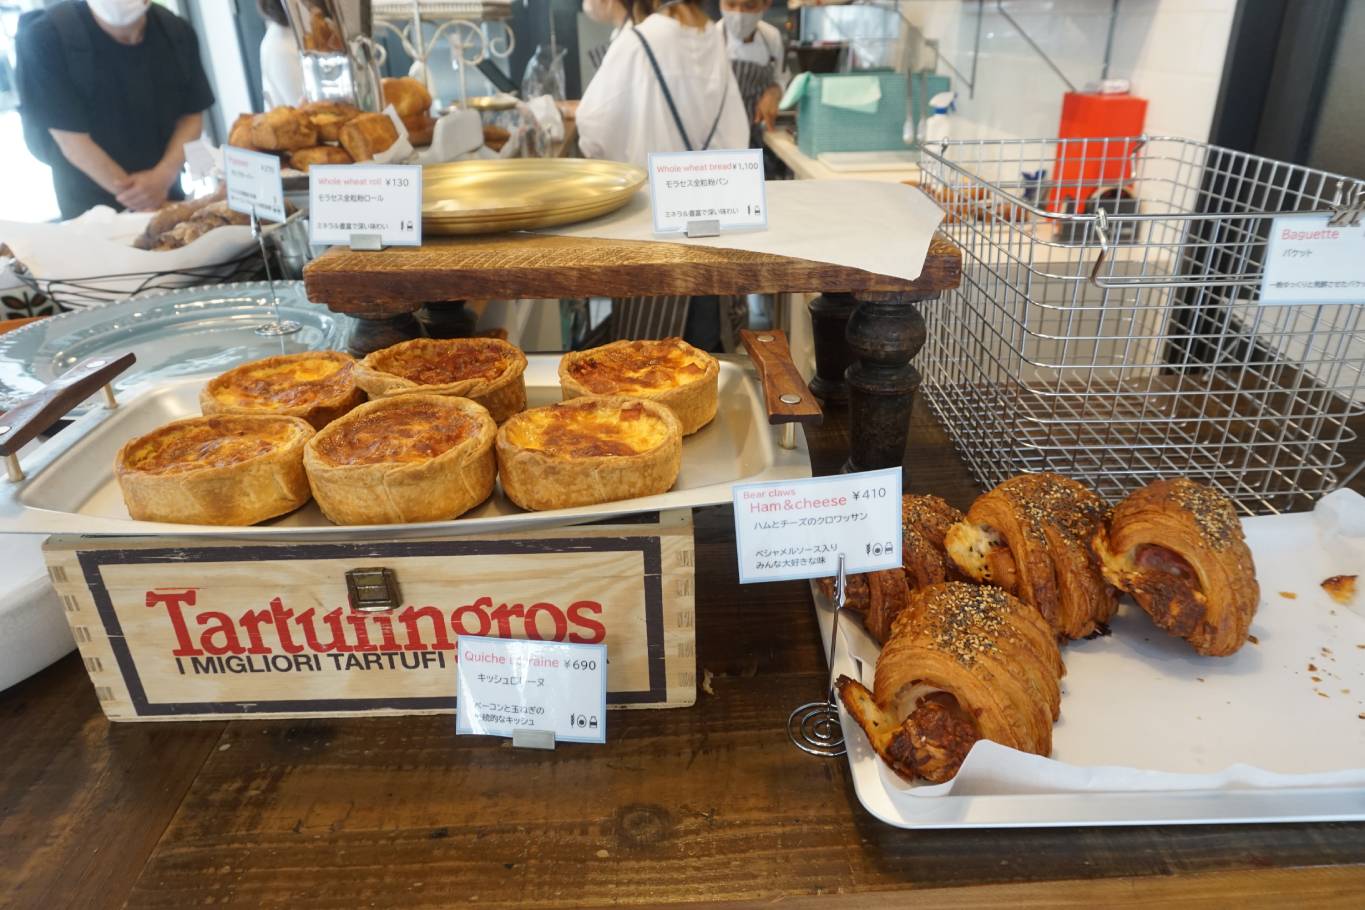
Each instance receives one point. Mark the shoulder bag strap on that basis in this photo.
(668, 96)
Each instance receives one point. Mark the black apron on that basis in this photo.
(754, 79)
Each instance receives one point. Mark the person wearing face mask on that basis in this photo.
(665, 85)
(111, 90)
(758, 56)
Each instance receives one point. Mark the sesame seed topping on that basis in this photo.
(1211, 510)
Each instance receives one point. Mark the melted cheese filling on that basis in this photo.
(583, 429)
(439, 363)
(403, 432)
(285, 385)
(642, 366)
(213, 442)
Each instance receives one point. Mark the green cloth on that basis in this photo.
(852, 93)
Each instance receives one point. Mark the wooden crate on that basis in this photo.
(199, 628)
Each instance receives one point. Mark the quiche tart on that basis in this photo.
(589, 450)
(488, 371)
(318, 386)
(224, 469)
(402, 459)
(669, 371)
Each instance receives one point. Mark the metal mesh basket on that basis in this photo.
(1108, 325)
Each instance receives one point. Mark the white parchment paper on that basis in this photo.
(1141, 712)
(879, 227)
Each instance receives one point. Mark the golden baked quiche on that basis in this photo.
(225, 469)
(318, 386)
(589, 450)
(488, 371)
(404, 458)
(669, 371)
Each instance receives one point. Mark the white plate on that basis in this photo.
(71, 488)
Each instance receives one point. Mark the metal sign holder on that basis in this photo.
(815, 727)
(278, 326)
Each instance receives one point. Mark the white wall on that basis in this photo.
(1172, 50)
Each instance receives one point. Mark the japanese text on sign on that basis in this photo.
(253, 183)
(797, 528)
(380, 199)
(1309, 261)
(507, 685)
(722, 186)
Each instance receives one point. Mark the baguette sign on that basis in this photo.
(1307, 260)
(199, 629)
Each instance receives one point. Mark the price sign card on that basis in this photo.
(380, 200)
(797, 528)
(253, 183)
(725, 187)
(1309, 261)
(507, 685)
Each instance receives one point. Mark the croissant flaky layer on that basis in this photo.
(962, 663)
(1177, 547)
(881, 596)
(1031, 536)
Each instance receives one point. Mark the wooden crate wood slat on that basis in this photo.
(174, 629)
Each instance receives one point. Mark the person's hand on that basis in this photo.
(765, 112)
(145, 191)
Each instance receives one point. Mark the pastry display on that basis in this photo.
(328, 117)
(283, 129)
(317, 386)
(408, 96)
(367, 135)
(178, 224)
(963, 663)
(303, 159)
(880, 596)
(669, 371)
(226, 469)
(588, 450)
(1032, 536)
(1177, 547)
(406, 459)
(486, 370)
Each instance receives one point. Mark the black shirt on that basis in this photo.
(138, 94)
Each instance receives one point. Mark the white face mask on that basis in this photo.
(603, 11)
(741, 25)
(119, 13)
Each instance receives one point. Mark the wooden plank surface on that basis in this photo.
(398, 279)
(706, 804)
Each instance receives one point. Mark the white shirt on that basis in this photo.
(767, 47)
(623, 115)
(281, 72)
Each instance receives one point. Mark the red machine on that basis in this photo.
(1084, 168)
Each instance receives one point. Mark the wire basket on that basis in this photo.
(1108, 325)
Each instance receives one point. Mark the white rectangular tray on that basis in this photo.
(1140, 698)
(70, 488)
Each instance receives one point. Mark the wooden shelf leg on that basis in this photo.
(829, 320)
(448, 319)
(374, 332)
(884, 335)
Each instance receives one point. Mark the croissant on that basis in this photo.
(1031, 536)
(880, 596)
(963, 663)
(1177, 547)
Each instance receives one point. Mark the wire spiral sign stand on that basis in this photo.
(815, 727)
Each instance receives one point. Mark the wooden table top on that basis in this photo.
(533, 266)
(709, 805)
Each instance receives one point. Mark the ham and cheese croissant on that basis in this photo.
(1176, 546)
(1031, 536)
(880, 596)
(963, 663)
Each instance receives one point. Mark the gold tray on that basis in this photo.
(484, 197)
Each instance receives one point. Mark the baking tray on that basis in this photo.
(186, 332)
(1140, 688)
(70, 487)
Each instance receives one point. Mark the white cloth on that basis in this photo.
(281, 71)
(766, 47)
(623, 115)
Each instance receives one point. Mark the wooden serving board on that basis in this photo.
(195, 628)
